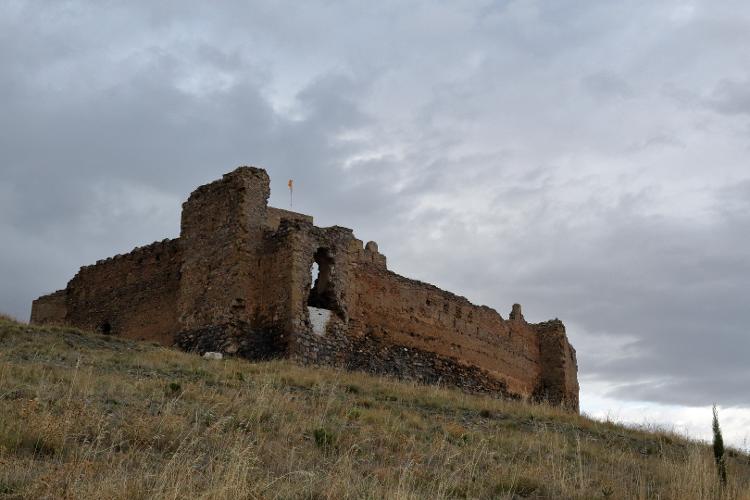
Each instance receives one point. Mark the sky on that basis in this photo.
(586, 159)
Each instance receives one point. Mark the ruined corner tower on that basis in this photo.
(238, 280)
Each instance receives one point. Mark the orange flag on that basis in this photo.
(290, 184)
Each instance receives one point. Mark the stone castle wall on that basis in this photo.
(132, 295)
(50, 309)
(335, 347)
(406, 312)
(238, 281)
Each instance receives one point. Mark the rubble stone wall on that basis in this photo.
(410, 313)
(276, 215)
(376, 356)
(132, 295)
(222, 233)
(49, 309)
(559, 377)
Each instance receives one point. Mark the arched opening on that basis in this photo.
(321, 293)
(106, 328)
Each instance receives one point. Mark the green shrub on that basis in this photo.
(721, 464)
(521, 486)
(324, 438)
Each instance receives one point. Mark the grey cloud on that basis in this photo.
(731, 97)
(607, 84)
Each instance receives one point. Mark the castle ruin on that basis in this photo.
(238, 280)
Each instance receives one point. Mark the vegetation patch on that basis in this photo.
(102, 417)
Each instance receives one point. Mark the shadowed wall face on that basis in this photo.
(49, 309)
(132, 295)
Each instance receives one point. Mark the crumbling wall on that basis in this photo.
(238, 280)
(559, 378)
(235, 282)
(132, 295)
(337, 347)
(49, 309)
(221, 230)
(383, 323)
(274, 216)
(417, 315)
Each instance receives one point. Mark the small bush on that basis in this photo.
(721, 464)
(354, 413)
(7, 488)
(29, 443)
(173, 389)
(520, 486)
(324, 439)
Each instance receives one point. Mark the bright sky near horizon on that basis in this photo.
(587, 159)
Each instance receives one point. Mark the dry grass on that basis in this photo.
(6, 318)
(87, 416)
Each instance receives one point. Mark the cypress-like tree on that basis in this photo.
(721, 464)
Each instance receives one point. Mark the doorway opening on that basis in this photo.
(321, 293)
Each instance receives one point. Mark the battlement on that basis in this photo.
(260, 282)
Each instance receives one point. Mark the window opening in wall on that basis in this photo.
(314, 271)
(321, 293)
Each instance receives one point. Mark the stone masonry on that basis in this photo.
(239, 281)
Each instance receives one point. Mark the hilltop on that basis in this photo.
(93, 416)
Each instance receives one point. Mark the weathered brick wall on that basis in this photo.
(222, 233)
(376, 356)
(385, 323)
(559, 377)
(132, 295)
(49, 309)
(274, 216)
(406, 312)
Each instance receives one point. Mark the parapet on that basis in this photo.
(276, 215)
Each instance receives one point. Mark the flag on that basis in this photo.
(290, 184)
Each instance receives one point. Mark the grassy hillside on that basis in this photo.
(89, 416)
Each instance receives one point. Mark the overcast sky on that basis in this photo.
(587, 159)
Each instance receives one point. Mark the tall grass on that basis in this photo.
(7, 318)
(86, 416)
